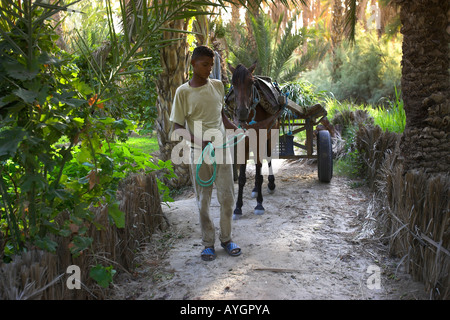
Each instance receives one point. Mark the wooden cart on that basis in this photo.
(297, 119)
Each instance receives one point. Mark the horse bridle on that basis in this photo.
(256, 98)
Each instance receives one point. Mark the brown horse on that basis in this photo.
(248, 113)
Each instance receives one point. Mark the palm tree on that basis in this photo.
(276, 48)
(424, 145)
(426, 85)
(142, 21)
(235, 20)
(175, 68)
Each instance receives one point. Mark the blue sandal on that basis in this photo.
(208, 254)
(231, 248)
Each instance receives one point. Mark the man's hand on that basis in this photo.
(227, 122)
(204, 144)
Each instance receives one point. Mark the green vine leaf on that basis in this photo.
(10, 140)
(26, 95)
(103, 275)
(117, 215)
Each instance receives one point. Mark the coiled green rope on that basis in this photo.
(209, 149)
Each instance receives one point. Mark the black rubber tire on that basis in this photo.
(324, 156)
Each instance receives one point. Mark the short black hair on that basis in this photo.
(202, 51)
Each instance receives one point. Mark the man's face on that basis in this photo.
(202, 66)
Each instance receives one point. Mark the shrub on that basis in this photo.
(368, 71)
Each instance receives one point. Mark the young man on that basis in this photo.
(199, 102)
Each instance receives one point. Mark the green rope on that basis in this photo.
(209, 149)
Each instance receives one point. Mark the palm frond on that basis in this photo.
(257, 4)
(12, 15)
(277, 49)
(285, 50)
(350, 19)
(307, 61)
(262, 30)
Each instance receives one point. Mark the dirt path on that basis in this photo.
(310, 244)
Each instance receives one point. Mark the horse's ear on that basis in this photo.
(231, 68)
(252, 67)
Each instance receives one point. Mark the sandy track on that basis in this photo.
(312, 243)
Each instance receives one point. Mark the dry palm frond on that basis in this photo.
(28, 276)
(415, 211)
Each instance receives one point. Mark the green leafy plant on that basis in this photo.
(351, 165)
(58, 146)
(91, 27)
(103, 275)
(303, 93)
(38, 101)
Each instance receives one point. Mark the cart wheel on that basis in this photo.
(324, 156)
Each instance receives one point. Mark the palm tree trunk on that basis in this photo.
(336, 37)
(55, 22)
(235, 20)
(426, 85)
(252, 11)
(174, 74)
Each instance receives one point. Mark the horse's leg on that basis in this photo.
(271, 178)
(255, 189)
(271, 185)
(259, 209)
(242, 179)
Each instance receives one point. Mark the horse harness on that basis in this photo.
(270, 102)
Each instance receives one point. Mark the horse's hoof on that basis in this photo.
(237, 214)
(254, 194)
(259, 210)
(270, 191)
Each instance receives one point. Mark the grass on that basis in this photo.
(147, 144)
(390, 118)
(350, 166)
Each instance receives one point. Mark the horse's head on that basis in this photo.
(242, 81)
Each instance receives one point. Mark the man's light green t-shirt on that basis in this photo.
(195, 105)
